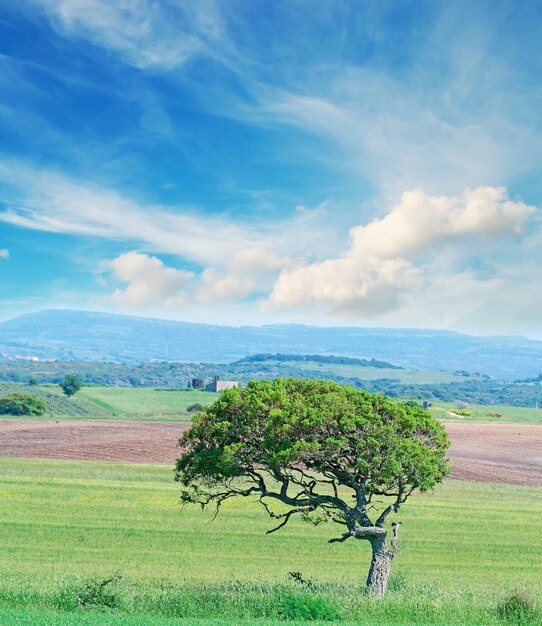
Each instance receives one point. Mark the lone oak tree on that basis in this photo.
(320, 450)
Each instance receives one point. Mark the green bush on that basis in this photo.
(194, 408)
(307, 607)
(22, 404)
(518, 608)
(89, 594)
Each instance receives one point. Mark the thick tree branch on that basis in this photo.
(394, 506)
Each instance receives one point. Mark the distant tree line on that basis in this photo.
(318, 358)
(481, 390)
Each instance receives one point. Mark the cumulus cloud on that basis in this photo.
(149, 281)
(4, 253)
(419, 221)
(250, 269)
(388, 256)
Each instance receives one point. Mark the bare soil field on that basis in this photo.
(497, 453)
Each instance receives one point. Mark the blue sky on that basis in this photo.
(364, 163)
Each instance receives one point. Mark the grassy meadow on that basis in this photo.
(66, 526)
(101, 402)
(145, 403)
(362, 372)
(446, 411)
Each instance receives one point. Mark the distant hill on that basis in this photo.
(78, 335)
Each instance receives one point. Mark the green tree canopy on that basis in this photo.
(71, 384)
(22, 404)
(319, 450)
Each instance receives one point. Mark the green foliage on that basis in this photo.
(89, 594)
(22, 404)
(303, 606)
(58, 405)
(195, 408)
(301, 443)
(518, 607)
(71, 384)
(235, 604)
(353, 435)
(32, 381)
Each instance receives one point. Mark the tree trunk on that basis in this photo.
(380, 566)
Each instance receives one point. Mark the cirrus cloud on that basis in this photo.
(144, 34)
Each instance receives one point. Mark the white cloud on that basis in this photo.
(49, 202)
(403, 136)
(4, 253)
(144, 33)
(44, 200)
(388, 257)
(419, 221)
(149, 281)
(393, 267)
(249, 270)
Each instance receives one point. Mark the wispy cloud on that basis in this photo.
(401, 137)
(47, 201)
(44, 200)
(4, 253)
(144, 34)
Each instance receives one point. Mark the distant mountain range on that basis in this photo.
(80, 335)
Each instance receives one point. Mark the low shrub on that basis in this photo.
(307, 607)
(195, 408)
(89, 594)
(518, 607)
(22, 404)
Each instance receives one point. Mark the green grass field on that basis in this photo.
(145, 403)
(482, 413)
(58, 405)
(375, 373)
(113, 402)
(63, 523)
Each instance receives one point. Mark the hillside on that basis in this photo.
(78, 335)
(58, 405)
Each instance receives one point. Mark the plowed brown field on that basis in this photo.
(501, 453)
